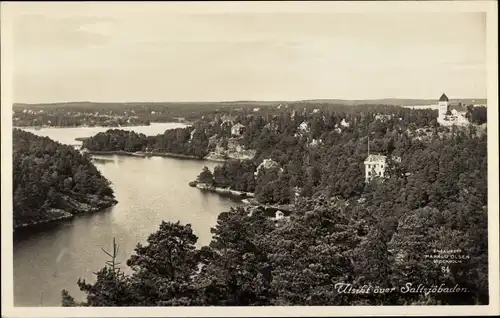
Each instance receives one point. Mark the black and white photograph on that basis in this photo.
(280, 157)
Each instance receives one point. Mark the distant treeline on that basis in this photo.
(127, 114)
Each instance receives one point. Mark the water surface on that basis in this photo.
(149, 190)
(68, 135)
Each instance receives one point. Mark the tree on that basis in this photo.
(163, 269)
(206, 176)
(238, 272)
(310, 255)
(112, 286)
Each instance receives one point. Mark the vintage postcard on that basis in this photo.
(249, 158)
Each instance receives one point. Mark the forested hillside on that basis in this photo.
(344, 232)
(53, 181)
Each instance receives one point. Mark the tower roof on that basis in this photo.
(443, 98)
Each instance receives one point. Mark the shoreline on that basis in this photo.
(150, 154)
(80, 126)
(99, 126)
(249, 197)
(66, 216)
(141, 154)
(219, 190)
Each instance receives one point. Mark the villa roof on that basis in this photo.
(444, 98)
(459, 108)
(376, 158)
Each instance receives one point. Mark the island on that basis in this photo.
(52, 181)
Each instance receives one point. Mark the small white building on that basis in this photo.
(267, 164)
(192, 134)
(303, 127)
(315, 142)
(344, 123)
(383, 117)
(256, 109)
(279, 215)
(237, 130)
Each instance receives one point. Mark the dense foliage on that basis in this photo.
(253, 262)
(48, 177)
(382, 234)
(329, 156)
(177, 141)
(478, 115)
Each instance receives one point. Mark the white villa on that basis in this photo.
(375, 166)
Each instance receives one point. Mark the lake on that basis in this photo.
(149, 190)
(68, 135)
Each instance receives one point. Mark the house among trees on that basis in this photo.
(383, 117)
(267, 164)
(375, 166)
(237, 130)
(303, 127)
(448, 116)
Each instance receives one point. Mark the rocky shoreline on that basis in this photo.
(71, 208)
(247, 197)
(65, 216)
(223, 191)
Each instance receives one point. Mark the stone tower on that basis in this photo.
(443, 106)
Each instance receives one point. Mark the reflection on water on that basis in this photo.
(50, 258)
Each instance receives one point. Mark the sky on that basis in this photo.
(160, 53)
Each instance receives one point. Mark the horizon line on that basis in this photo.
(247, 101)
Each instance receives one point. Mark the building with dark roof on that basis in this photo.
(444, 98)
(448, 116)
